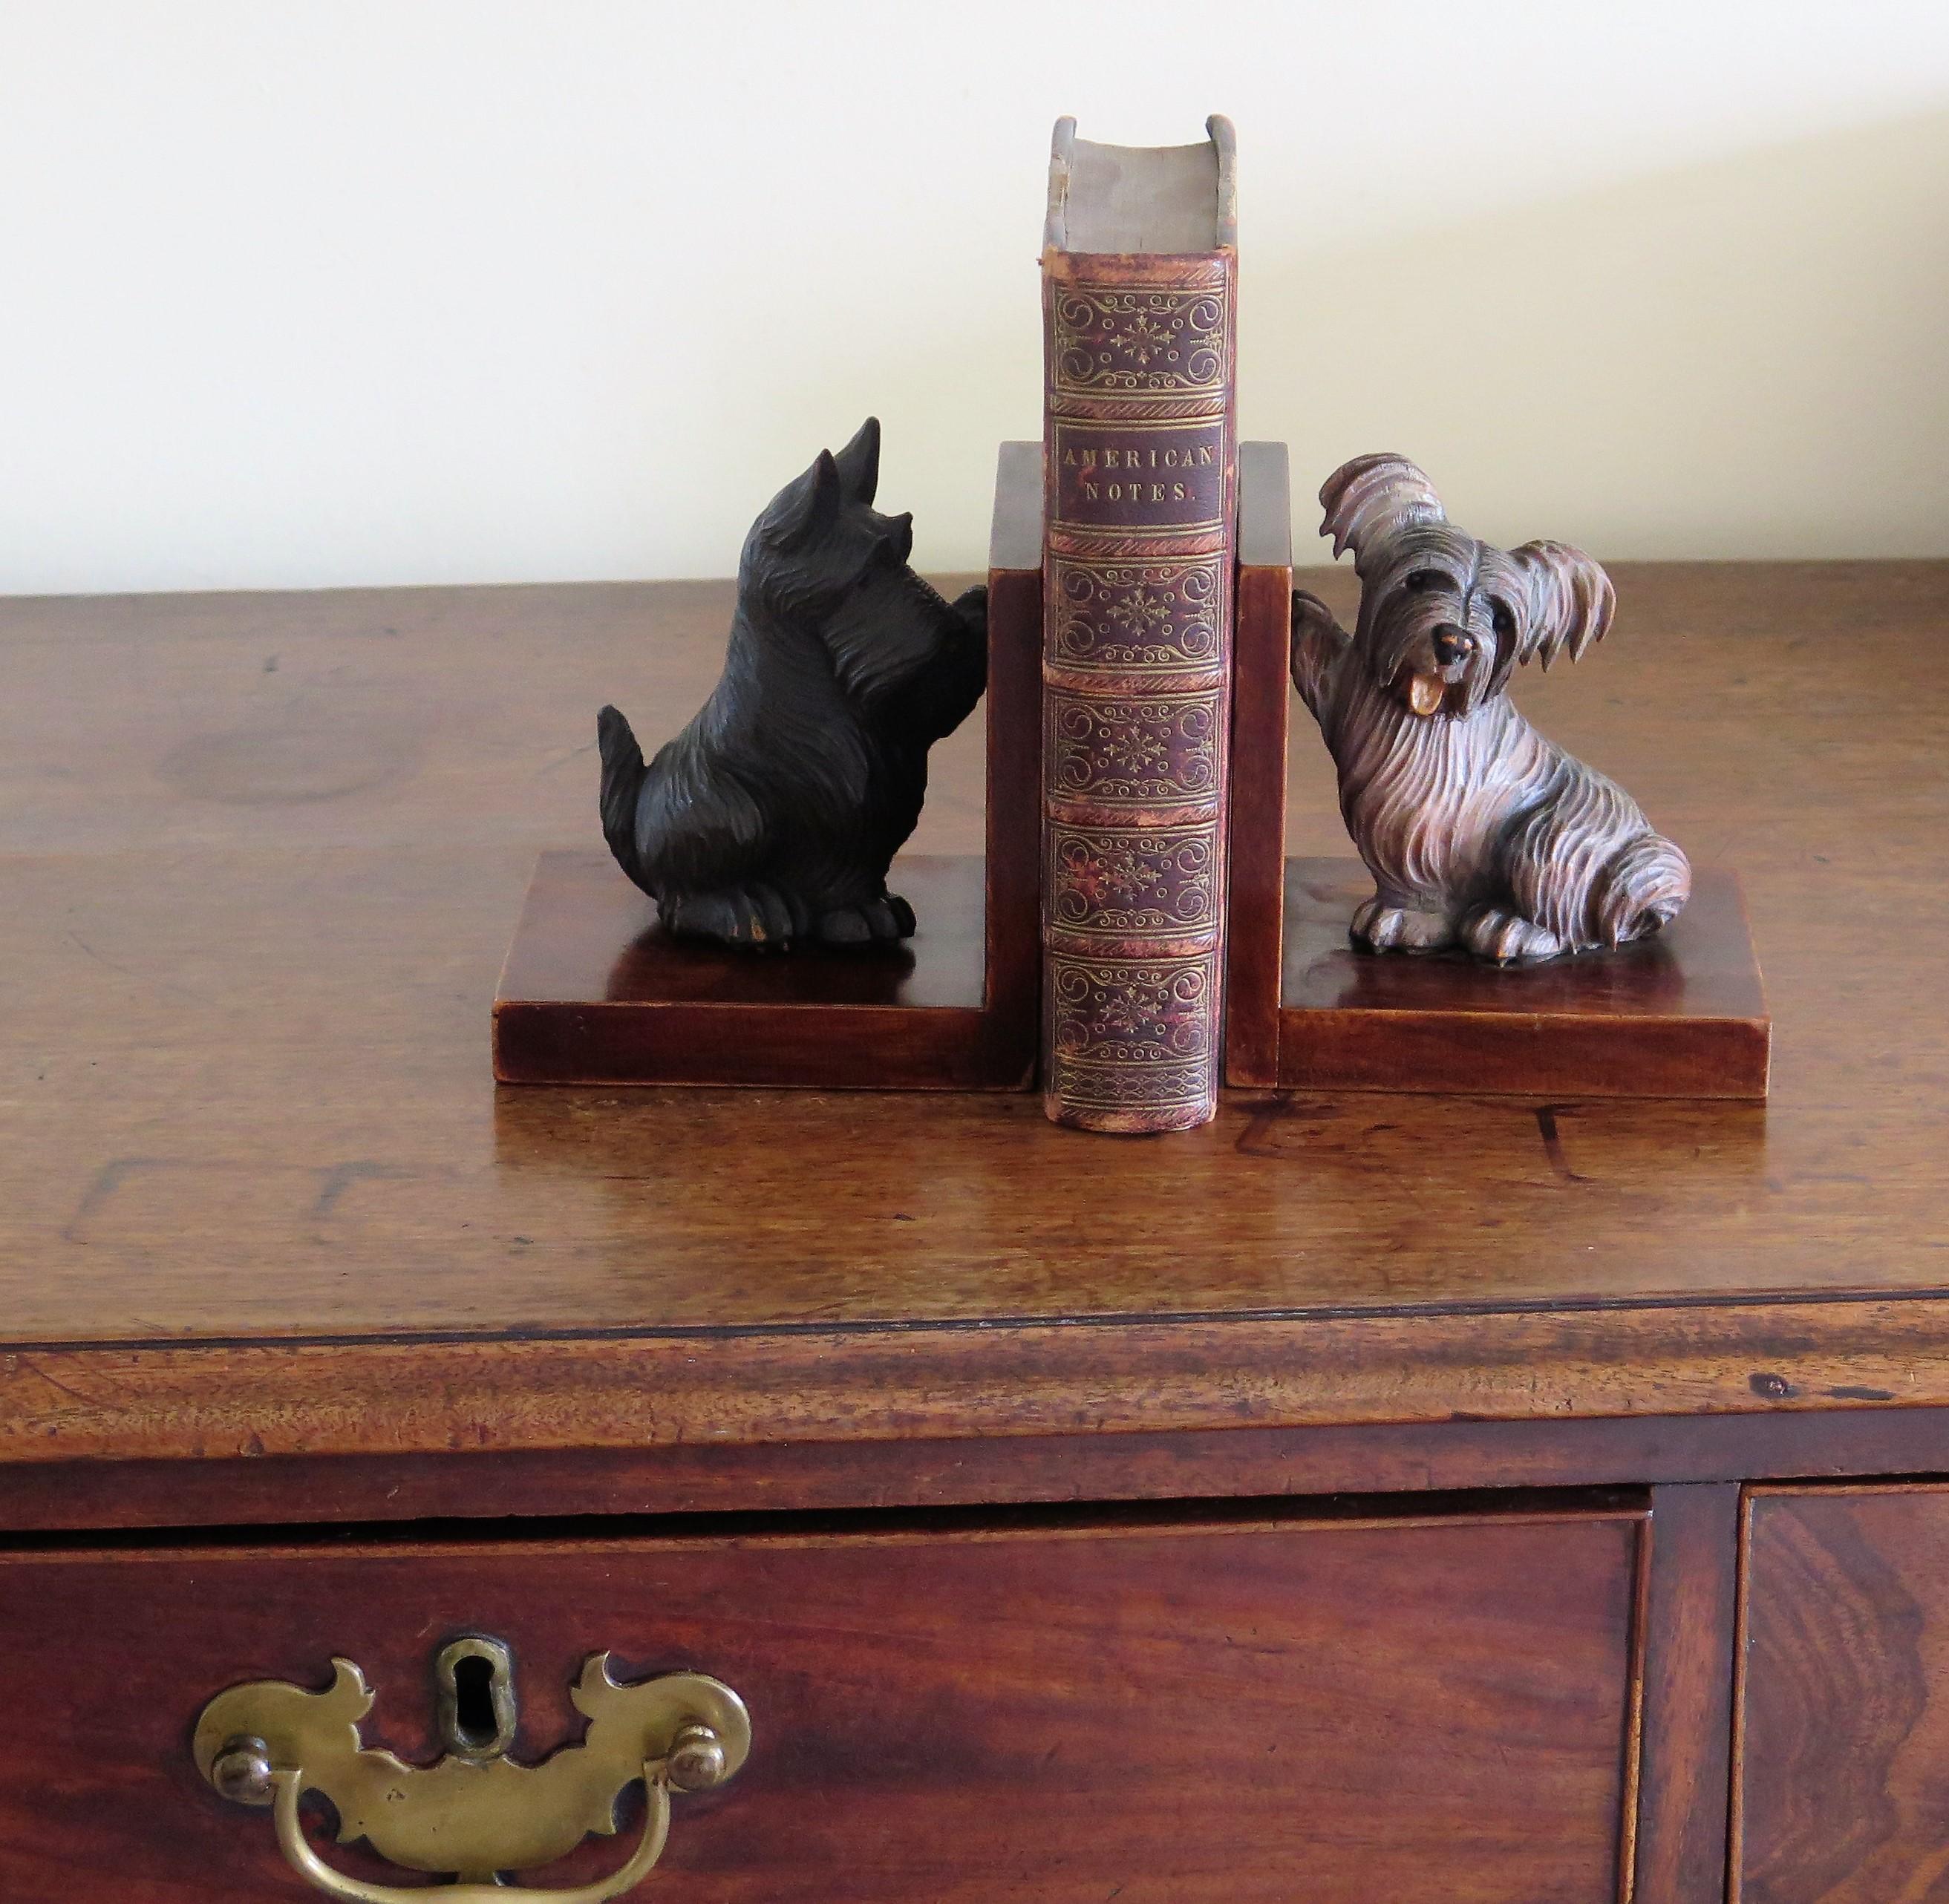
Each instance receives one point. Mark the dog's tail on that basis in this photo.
(1645, 887)
(623, 774)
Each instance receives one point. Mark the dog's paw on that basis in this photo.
(1505, 940)
(755, 917)
(877, 922)
(1312, 617)
(971, 605)
(1381, 927)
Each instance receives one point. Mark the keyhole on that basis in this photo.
(474, 1722)
(473, 1686)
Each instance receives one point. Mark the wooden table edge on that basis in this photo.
(416, 1395)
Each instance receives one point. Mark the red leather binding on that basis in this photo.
(1141, 447)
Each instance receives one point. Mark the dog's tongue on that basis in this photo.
(1425, 692)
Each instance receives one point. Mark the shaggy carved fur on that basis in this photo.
(773, 817)
(1477, 831)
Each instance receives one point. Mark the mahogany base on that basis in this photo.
(595, 991)
(1680, 1015)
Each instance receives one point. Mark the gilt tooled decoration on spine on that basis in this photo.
(1142, 478)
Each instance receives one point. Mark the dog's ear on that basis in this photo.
(1571, 602)
(808, 507)
(1371, 499)
(860, 462)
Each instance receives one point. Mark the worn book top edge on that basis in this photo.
(1131, 200)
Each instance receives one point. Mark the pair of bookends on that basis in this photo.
(1134, 933)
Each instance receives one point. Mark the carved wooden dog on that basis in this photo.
(773, 817)
(1477, 829)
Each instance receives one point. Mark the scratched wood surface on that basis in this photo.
(1253, 1709)
(259, 859)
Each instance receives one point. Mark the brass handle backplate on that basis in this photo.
(477, 1812)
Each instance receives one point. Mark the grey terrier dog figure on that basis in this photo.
(1479, 832)
(771, 820)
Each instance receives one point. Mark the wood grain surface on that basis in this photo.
(1083, 1464)
(1257, 1709)
(1690, 1606)
(1844, 1713)
(595, 991)
(589, 939)
(259, 857)
(1261, 698)
(1681, 1014)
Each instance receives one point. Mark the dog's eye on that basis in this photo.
(1502, 616)
(1423, 580)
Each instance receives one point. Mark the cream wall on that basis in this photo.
(311, 292)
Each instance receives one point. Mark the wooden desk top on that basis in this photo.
(259, 859)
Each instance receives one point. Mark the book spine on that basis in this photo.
(1141, 483)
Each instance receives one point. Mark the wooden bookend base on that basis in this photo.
(595, 993)
(1261, 690)
(1680, 1015)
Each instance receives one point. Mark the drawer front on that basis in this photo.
(1354, 1710)
(1842, 1787)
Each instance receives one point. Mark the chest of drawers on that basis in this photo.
(1367, 1497)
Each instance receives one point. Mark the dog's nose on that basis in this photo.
(1452, 643)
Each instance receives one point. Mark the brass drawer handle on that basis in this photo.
(477, 1812)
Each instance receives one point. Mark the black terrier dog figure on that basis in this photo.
(1478, 831)
(770, 821)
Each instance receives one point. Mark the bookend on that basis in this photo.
(594, 991)
(1679, 1014)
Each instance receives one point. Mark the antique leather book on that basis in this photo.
(1139, 275)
